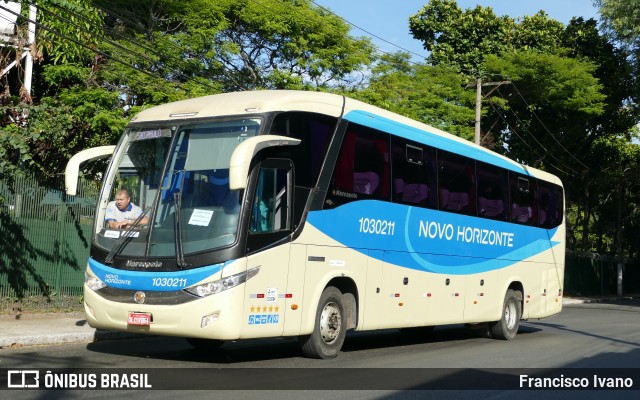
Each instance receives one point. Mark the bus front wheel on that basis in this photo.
(507, 327)
(329, 330)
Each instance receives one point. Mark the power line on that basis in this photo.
(103, 27)
(527, 143)
(551, 154)
(546, 129)
(367, 32)
(62, 35)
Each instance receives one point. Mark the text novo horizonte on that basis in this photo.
(467, 234)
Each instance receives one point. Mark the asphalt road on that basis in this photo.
(600, 339)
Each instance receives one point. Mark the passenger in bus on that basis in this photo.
(490, 203)
(521, 213)
(365, 182)
(260, 221)
(121, 212)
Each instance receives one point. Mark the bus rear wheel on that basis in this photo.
(507, 327)
(330, 329)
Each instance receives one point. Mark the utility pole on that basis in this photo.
(478, 109)
(479, 97)
(620, 229)
(9, 12)
(28, 65)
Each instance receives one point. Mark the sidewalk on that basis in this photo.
(17, 331)
(21, 330)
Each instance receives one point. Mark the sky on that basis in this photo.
(389, 19)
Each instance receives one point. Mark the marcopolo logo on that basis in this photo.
(144, 264)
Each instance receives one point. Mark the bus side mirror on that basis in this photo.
(244, 153)
(73, 166)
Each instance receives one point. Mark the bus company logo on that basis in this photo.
(18, 379)
(263, 319)
(144, 264)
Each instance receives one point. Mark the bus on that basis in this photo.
(308, 214)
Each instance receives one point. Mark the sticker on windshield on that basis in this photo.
(201, 217)
(112, 234)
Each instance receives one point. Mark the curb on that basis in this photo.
(61, 338)
(592, 300)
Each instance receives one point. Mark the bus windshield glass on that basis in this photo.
(177, 182)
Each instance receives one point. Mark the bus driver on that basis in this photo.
(122, 212)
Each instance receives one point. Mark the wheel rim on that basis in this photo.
(510, 315)
(330, 322)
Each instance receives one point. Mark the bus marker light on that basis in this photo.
(401, 304)
(475, 302)
(209, 319)
(294, 306)
(182, 115)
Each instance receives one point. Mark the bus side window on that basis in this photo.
(456, 183)
(413, 173)
(492, 192)
(362, 169)
(270, 211)
(523, 209)
(550, 205)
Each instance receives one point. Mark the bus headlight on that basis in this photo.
(209, 288)
(93, 283)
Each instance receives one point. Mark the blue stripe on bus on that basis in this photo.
(152, 280)
(431, 139)
(430, 240)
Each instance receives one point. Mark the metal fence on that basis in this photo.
(44, 244)
(45, 239)
(589, 274)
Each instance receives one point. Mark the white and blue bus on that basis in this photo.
(307, 214)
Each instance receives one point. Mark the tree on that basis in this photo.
(459, 37)
(621, 18)
(102, 61)
(245, 45)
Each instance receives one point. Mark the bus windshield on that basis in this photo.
(177, 182)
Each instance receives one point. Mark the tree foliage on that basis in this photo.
(550, 101)
(465, 37)
(100, 62)
(433, 95)
(622, 19)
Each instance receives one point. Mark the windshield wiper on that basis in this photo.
(177, 204)
(125, 237)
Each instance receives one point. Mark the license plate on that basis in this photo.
(141, 319)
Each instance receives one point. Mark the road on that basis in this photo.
(589, 338)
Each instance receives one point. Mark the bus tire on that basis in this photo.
(205, 344)
(329, 329)
(507, 327)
